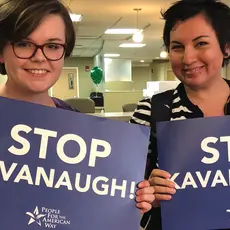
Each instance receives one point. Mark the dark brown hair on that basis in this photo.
(19, 18)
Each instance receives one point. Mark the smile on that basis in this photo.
(193, 70)
(37, 71)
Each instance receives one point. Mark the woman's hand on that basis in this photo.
(144, 196)
(163, 187)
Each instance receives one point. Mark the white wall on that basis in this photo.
(226, 72)
(159, 70)
(3, 79)
(140, 76)
(113, 101)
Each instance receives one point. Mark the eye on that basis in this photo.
(176, 47)
(199, 44)
(54, 46)
(23, 44)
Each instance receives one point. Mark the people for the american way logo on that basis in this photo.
(47, 217)
(35, 217)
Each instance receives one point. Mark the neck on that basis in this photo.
(213, 91)
(16, 93)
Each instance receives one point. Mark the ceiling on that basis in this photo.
(100, 15)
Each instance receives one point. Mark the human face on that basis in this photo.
(194, 52)
(37, 74)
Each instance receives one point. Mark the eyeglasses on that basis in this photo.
(27, 50)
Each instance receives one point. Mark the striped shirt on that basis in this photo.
(182, 108)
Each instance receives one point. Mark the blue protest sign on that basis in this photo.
(65, 170)
(196, 152)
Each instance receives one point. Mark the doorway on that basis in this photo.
(67, 85)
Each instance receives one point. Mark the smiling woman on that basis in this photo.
(35, 40)
(197, 37)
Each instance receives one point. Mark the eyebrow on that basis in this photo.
(49, 40)
(195, 39)
(55, 39)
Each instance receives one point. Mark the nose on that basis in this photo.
(39, 56)
(189, 56)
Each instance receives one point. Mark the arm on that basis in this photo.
(157, 178)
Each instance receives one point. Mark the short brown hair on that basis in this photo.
(19, 18)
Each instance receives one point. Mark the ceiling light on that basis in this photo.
(75, 17)
(138, 35)
(132, 45)
(142, 61)
(111, 55)
(163, 54)
(121, 31)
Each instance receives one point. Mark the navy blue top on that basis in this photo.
(62, 105)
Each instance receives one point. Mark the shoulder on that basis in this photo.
(142, 113)
(165, 97)
(62, 105)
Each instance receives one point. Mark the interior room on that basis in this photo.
(123, 39)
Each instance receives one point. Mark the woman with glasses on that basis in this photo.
(35, 38)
